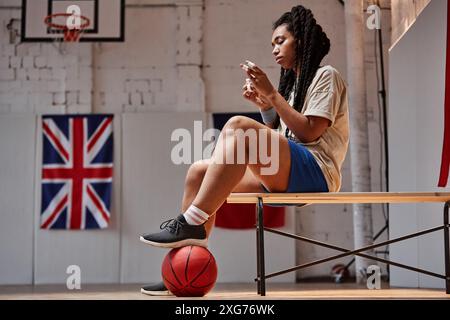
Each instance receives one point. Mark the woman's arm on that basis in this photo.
(262, 103)
(305, 128)
(269, 125)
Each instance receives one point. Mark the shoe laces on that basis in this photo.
(173, 225)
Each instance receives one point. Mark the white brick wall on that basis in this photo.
(15, 62)
(6, 74)
(4, 62)
(28, 62)
(35, 77)
(141, 74)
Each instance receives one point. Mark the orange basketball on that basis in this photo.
(189, 271)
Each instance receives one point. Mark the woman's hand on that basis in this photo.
(249, 93)
(259, 80)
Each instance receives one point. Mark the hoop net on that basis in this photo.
(70, 34)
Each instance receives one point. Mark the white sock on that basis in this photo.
(195, 216)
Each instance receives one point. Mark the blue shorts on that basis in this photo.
(305, 174)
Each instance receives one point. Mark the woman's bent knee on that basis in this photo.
(238, 122)
(197, 171)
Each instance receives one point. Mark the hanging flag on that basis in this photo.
(445, 162)
(77, 171)
(243, 216)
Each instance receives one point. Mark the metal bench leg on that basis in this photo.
(447, 249)
(260, 227)
(258, 257)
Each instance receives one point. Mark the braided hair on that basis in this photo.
(311, 46)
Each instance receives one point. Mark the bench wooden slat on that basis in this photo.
(340, 197)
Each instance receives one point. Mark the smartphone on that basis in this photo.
(249, 83)
(249, 65)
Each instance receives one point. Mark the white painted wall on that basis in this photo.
(416, 113)
(16, 198)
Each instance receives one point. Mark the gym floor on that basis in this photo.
(224, 291)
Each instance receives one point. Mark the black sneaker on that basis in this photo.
(177, 233)
(158, 289)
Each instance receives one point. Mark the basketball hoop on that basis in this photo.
(70, 34)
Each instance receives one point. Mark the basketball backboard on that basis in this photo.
(106, 19)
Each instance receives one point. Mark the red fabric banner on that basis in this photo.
(445, 162)
(242, 216)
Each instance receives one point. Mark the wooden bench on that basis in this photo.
(301, 199)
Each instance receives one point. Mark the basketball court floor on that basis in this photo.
(225, 291)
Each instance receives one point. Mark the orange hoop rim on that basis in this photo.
(70, 34)
(48, 21)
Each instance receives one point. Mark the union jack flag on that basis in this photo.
(77, 171)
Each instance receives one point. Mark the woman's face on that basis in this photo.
(283, 43)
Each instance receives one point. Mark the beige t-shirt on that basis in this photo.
(327, 97)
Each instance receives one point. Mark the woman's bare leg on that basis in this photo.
(194, 178)
(270, 166)
(223, 177)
